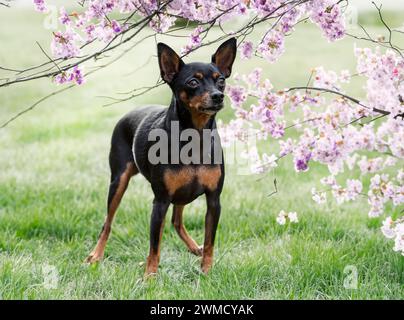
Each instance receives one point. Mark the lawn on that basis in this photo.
(54, 177)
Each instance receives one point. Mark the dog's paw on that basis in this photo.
(206, 264)
(152, 264)
(197, 251)
(149, 275)
(205, 269)
(93, 258)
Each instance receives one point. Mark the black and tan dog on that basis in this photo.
(197, 97)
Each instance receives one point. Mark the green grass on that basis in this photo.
(54, 178)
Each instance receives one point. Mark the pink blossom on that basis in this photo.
(64, 17)
(116, 26)
(65, 45)
(327, 14)
(283, 217)
(237, 95)
(40, 6)
(194, 40)
(246, 49)
(73, 75)
(272, 46)
(318, 197)
(354, 188)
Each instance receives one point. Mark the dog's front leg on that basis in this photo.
(156, 232)
(211, 221)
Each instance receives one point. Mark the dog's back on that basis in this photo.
(121, 152)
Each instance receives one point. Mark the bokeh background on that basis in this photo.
(54, 178)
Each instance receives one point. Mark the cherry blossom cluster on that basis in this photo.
(72, 75)
(333, 130)
(284, 217)
(40, 6)
(394, 230)
(94, 21)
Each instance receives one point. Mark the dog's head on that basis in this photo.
(199, 86)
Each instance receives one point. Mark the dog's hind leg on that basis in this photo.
(122, 169)
(182, 232)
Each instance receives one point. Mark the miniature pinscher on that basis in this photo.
(198, 93)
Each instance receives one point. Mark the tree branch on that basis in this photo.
(376, 110)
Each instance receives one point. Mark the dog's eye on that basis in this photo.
(220, 82)
(193, 83)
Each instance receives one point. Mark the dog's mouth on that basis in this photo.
(212, 109)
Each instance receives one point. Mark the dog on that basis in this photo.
(197, 95)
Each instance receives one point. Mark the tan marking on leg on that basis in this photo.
(182, 231)
(211, 221)
(207, 259)
(209, 176)
(98, 252)
(153, 260)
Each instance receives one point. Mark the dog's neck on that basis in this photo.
(177, 111)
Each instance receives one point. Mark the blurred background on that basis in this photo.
(54, 176)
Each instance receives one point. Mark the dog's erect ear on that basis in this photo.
(225, 55)
(170, 63)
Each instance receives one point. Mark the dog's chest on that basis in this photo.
(188, 182)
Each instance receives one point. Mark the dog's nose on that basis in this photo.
(217, 97)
